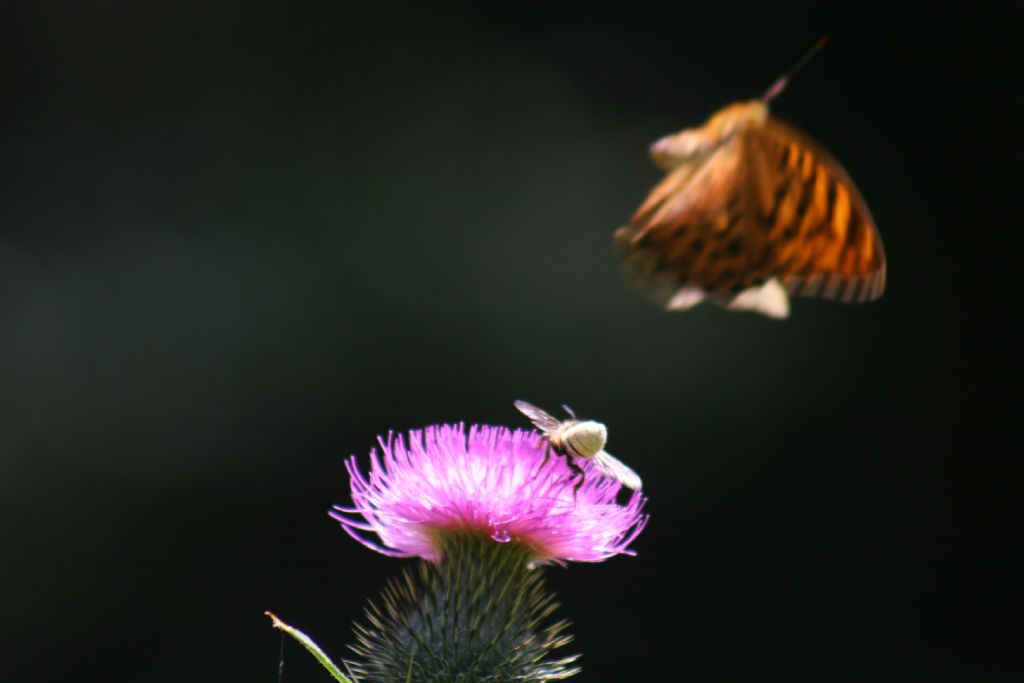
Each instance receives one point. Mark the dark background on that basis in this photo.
(238, 243)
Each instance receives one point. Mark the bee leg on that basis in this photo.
(569, 463)
(577, 471)
(547, 455)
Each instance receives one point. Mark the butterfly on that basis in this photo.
(750, 213)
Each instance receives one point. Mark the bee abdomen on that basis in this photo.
(585, 439)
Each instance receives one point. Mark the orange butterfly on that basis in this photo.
(751, 212)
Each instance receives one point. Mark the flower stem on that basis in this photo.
(313, 648)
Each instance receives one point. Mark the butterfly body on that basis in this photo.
(750, 212)
(580, 439)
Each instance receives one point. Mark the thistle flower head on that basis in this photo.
(489, 481)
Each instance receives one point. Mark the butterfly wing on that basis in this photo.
(826, 242)
(765, 204)
(673, 247)
(612, 467)
(541, 419)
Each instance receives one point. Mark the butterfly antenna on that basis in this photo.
(780, 85)
(569, 411)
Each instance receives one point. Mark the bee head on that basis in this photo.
(587, 438)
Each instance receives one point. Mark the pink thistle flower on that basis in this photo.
(493, 482)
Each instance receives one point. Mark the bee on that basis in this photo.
(579, 439)
(751, 212)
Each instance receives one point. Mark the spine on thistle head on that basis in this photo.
(480, 615)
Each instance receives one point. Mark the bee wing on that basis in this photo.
(542, 420)
(612, 467)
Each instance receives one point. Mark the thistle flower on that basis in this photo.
(483, 508)
(494, 482)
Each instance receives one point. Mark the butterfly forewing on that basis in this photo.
(826, 242)
(764, 202)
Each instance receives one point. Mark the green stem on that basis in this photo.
(313, 648)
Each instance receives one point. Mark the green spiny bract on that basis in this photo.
(477, 617)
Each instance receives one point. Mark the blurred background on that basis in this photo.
(237, 243)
